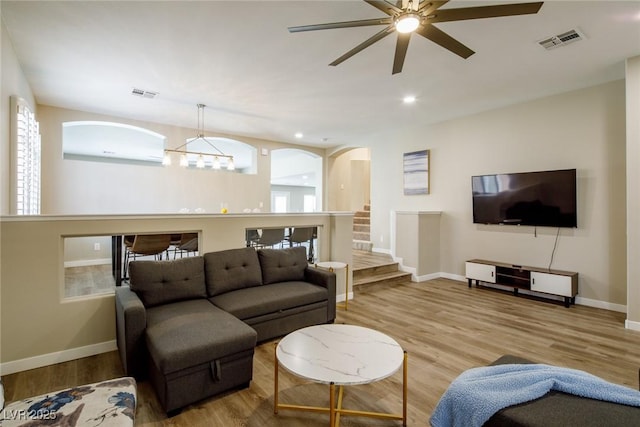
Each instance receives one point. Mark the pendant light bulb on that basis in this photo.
(183, 160)
(216, 163)
(166, 160)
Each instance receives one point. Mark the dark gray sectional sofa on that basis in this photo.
(191, 325)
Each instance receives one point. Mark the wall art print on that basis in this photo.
(416, 172)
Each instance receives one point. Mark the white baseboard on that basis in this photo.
(340, 297)
(426, 277)
(601, 304)
(57, 357)
(381, 251)
(87, 262)
(630, 324)
(451, 276)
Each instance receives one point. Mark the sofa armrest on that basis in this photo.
(325, 278)
(131, 322)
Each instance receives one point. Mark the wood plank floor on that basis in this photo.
(446, 328)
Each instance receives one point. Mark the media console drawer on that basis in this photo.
(482, 272)
(552, 282)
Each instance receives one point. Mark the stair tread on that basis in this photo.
(381, 277)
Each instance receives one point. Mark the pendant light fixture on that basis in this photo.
(201, 157)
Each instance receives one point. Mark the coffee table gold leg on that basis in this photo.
(339, 407)
(332, 404)
(346, 287)
(275, 381)
(405, 371)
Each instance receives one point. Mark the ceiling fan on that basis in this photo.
(409, 16)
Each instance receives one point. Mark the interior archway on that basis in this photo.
(296, 181)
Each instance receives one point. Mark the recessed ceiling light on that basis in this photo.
(299, 135)
(409, 99)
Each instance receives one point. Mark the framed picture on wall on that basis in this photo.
(416, 172)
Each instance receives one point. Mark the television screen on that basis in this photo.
(546, 198)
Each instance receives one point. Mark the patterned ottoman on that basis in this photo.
(106, 403)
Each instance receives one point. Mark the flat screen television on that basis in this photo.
(545, 198)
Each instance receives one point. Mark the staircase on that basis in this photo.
(362, 229)
(372, 270)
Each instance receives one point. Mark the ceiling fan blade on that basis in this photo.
(385, 7)
(377, 37)
(346, 24)
(461, 14)
(443, 39)
(401, 51)
(429, 6)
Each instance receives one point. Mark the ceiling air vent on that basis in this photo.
(561, 39)
(143, 93)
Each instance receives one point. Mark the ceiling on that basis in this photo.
(259, 80)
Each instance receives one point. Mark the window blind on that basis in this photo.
(26, 160)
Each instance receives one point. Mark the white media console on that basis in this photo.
(546, 281)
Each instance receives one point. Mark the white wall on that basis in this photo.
(13, 82)
(633, 192)
(583, 129)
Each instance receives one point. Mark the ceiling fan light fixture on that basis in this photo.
(407, 22)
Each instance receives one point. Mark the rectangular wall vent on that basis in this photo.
(561, 39)
(143, 93)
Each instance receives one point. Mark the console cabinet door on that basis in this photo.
(551, 283)
(482, 272)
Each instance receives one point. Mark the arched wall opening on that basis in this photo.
(296, 181)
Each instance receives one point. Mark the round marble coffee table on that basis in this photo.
(340, 355)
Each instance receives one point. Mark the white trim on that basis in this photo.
(630, 324)
(57, 357)
(165, 216)
(87, 262)
(381, 251)
(426, 277)
(340, 297)
(601, 304)
(456, 277)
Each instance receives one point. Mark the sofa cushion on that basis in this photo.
(162, 282)
(252, 302)
(282, 265)
(231, 269)
(190, 333)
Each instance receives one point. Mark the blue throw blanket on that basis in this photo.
(478, 393)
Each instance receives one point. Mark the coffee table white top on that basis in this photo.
(342, 354)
